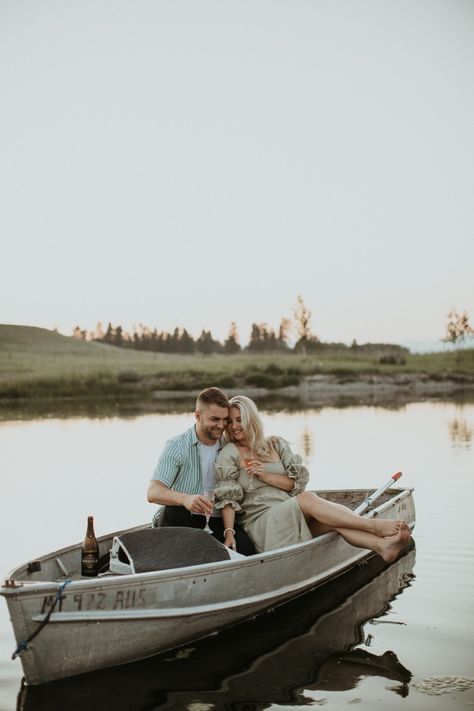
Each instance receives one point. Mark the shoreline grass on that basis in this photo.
(36, 363)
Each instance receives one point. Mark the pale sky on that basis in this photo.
(190, 163)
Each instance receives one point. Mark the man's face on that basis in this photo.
(210, 423)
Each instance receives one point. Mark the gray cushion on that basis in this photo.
(169, 547)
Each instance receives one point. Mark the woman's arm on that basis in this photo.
(279, 481)
(293, 464)
(228, 519)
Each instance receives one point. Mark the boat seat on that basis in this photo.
(164, 548)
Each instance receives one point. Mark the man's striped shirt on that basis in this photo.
(179, 466)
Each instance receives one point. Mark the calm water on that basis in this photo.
(54, 472)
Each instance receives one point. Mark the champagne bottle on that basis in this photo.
(90, 551)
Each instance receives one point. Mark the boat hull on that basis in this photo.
(111, 620)
(307, 640)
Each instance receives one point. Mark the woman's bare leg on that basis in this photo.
(338, 516)
(317, 529)
(389, 547)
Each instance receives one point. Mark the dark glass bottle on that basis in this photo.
(90, 551)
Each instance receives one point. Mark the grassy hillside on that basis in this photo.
(35, 362)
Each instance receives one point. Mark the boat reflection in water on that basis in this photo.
(307, 643)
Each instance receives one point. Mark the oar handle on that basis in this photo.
(370, 499)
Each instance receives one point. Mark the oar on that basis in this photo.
(369, 500)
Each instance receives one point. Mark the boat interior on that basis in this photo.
(66, 563)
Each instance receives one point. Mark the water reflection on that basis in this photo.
(460, 433)
(307, 644)
(184, 403)
(306, 443)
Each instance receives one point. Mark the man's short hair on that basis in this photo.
(212, 396)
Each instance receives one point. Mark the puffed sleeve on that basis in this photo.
(294, 466)
(228, 489)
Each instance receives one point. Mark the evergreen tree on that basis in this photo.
(109, 334)
(231, 344)
(118, 337)
(255, 340)
(186, 343)
(284, 334)
(262, 338)
(205, 344)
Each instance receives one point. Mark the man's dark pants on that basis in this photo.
(179, 516)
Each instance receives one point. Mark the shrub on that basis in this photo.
(293, 370)
(274, 369)
(262, 380)
(290, 380)
(225, 381)
(392, 359)
(128, 376)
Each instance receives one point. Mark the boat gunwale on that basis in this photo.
(208, 608)
(25, 588)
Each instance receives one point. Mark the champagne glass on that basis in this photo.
(211, 495)
(248, 461)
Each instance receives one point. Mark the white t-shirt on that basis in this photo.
(208, 454)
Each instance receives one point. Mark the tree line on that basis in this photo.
(262, 338)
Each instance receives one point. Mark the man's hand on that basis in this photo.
(197, 504)
(159, 493)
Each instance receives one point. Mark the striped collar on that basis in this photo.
(195, 439)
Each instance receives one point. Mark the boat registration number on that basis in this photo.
(125, 599)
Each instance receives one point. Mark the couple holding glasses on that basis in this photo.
(258, 485)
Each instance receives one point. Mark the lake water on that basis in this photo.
(54, 472)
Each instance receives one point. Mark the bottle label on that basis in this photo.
(89, 561)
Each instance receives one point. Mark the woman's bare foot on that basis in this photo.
(391, 546)
(385, 527)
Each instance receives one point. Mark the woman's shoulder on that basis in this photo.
(278, 442)
(228, 463)
(228, 451)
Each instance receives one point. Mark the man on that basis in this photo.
(185, 470)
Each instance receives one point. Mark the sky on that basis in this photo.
(192, 163)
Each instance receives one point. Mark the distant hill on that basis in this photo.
(31, 349)
(38, 361)
(33, 341)
(40, 339)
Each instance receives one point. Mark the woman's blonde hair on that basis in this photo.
(252, 425)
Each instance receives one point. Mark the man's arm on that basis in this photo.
(166, 472)
(159, 493)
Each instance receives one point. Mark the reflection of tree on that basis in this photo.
(460, 433)
(306, 443)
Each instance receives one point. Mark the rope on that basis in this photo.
(23, 646)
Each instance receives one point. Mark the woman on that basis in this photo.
(262, 479)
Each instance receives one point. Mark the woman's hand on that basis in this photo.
(228, 519)
(256, 468)
(229, 540)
